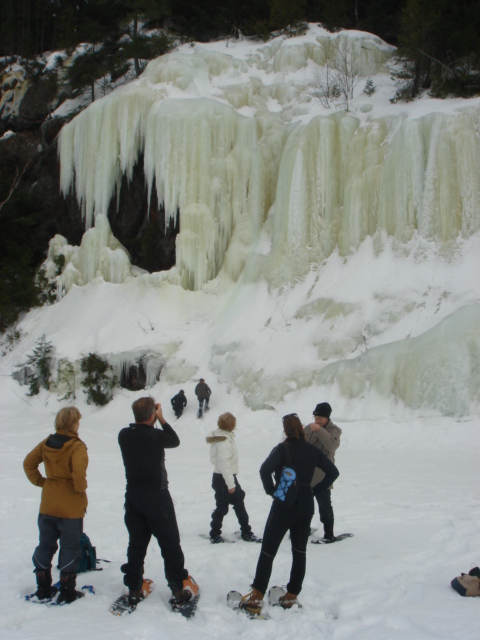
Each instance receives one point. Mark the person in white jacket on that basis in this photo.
(224, 457)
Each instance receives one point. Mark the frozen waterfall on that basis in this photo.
(359, 228)
(225, 139)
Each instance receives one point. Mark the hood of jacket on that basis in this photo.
(58, 447)
(219, 435)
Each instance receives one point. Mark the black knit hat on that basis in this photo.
(323, 409)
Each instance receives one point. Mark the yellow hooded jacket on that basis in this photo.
(63, 490)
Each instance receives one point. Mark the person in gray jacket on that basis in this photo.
(203, 393)
(324, 435)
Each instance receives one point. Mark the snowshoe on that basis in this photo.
(127, 603)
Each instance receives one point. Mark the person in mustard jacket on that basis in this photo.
(62, 506)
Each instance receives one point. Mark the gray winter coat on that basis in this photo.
(327, 439)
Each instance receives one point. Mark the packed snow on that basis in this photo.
(407, 490)
(318, 260)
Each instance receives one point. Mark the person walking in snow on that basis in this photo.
(203, 393)
(324, 435)
(296, 453)
(149, 508)
(224, 457)
(63, 504)
(179, 402)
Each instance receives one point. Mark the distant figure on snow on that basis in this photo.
(324, 435)
(179, 402)
(224, 457)
(63, 504)
(203, 393)
(149, 508)
(303, 458)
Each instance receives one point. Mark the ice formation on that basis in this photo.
(224, 139)
(99, 255)
(273, 188)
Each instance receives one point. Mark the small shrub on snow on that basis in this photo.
(98, 381)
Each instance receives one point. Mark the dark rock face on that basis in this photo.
(133, 377)
(32, 209)
(33, 153)
(139, 228)
(29, 111)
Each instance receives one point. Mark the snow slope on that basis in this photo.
(408, 491)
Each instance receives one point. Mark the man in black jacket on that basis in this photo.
(149, 508)
(179, 402)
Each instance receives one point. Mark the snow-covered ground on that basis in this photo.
(408, 491)
(385, 329)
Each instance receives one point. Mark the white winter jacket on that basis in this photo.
(223, 455)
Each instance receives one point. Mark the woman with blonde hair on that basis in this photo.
(294, 453)
(224, 457)
(63, 504)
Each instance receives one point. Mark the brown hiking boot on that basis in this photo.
(252, 602)
(288, 600)
(190, 590)
(135, 596)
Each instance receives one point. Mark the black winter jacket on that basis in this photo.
(143, 452)
(304, 458)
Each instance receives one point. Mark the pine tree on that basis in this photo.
(40, 360)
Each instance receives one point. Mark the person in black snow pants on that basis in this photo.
(203, 393)
(149, 508)
(179, 402)
(303, 458)
(224, 457)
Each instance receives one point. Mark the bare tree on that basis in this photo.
(346, 73)
(326, 89)
(337, 75)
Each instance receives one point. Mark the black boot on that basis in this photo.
(134, 597)
(44, 584)
(68, 593)
(328, 529)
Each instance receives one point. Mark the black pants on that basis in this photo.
(223, 499)
(281, 520)
(201, 401)
(178, 408)
(51, 530)
(150, 513)
(325, 509)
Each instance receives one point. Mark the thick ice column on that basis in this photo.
(99, 255)
(340, 182)
(196, 246)
(206, 161)
(317, 167)
(101, 144)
